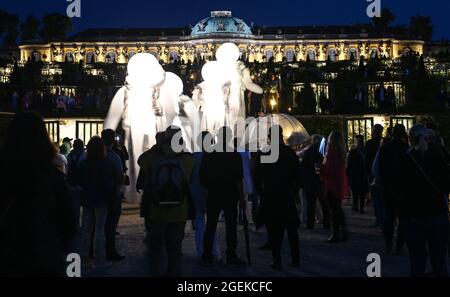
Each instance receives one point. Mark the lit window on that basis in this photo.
(70, 57)
(353, 53)
(311, 54)
(373, 53)
(332, 54)
(290, 55)
(111, 57)
(36, 56)
(174, 56)
(90, 58)
(269, 55)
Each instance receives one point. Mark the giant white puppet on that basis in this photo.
(221, 94)
(146, 105)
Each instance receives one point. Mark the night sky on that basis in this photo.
(175, 13)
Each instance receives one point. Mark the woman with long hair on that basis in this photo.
(36, 218)
(96, 179)
(336, 184)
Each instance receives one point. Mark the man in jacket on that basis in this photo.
(390, 156)
(166, 223)
(279, 184)
(221, 174)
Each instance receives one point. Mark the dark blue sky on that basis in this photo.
(175, 13)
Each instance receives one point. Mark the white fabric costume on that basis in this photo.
(146, 105)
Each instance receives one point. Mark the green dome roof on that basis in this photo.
(221, 22)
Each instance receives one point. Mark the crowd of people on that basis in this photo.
(60, 101)
(68, 198)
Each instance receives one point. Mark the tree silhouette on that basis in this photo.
(55, 26)
(30, 28)
(306, 100)
(382, 23)
(9, 24)
(421, 26)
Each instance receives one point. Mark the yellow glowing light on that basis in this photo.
(273, 102)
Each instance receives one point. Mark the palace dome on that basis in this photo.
(221, 22)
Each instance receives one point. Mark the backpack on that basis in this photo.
(72, 171)
(168, 186)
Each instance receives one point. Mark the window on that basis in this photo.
(53, 130)
(408, 122)
(86, 129)
(332, 54)
(269, 55)
(311, 54)
(290, 55)
(110, 57)
(90, 58)
(174, 56)
(36, 56)
(407, 52)
(374, 53)
(353, 53)
(358, 126)
(70, 58)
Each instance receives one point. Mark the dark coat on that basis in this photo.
(36, 222)
(424, 193)
(279, 185)
(371, 149)
(390, 170)
(310, 180)
(221, 173)
(356, 171)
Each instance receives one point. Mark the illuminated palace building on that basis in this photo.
(258, 45)
(289, 48)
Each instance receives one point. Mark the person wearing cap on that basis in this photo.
(66, 146)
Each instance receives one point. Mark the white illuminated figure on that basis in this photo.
(221, 94)
(209, 97)
(146, 105)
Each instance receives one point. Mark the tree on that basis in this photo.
(55, 26)
(306, 100)
(9, 24)
(30, 28)
(382, 23)
(421, 26)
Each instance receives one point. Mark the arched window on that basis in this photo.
(90, 58)
(131, 54)
(242, 53)
(290, 55)
(373, 52)
(311, 54)
(407, 52)
(110, 57)
(353, 53)
(36, 56)
(269, 54)
(69, 57)
(174, 56)
(332, 54)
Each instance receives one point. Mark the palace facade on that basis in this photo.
(257, 44)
